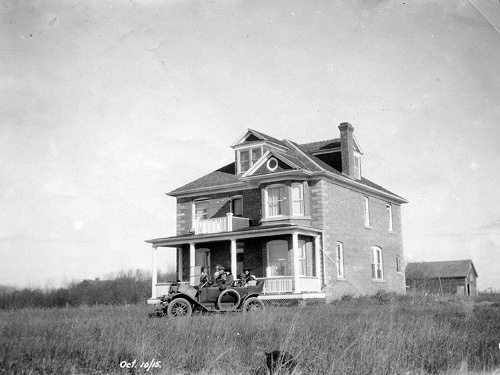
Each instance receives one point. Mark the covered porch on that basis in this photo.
(286, 257)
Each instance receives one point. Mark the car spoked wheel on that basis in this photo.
(253, 304)
(228, 300)
(179, 307)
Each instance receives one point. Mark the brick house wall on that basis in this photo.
(339, 211)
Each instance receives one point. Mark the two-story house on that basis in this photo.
(301, 216)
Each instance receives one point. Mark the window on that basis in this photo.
(389, 217)
(306, 258)
(237, 206)
(398, 263)
(247, 158)
(278, 260)
(272, 164)
(340, 260)
(201, 210)
(297, 199)
(377, 273)
(357, 167)
(244, 161)
(256, 154)
(275, 200)
(367, 211)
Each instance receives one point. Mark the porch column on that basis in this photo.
(317, 244)
(154, 278)
(179, 263)
(233, 258)
(296, 266)
(192, 258)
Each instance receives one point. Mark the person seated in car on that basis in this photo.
(249, 278)
(219, 271)
(241, 280)
(204, 278)
(220, 278)
(229, 276)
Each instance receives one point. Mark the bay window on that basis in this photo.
(284, 200)
(297, 199)
(276, 200)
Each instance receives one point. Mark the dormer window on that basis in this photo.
(247, 158)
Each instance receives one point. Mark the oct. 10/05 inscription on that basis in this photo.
(144, 365)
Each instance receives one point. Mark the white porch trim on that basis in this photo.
(154, 278)
(233, 257)
(192, 261)
(295, 258)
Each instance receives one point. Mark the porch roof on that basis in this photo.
(249, 232)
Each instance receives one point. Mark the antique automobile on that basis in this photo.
(183, 300)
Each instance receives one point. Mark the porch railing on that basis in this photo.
(282, 284)
(221, 224)
(215, 225)
(285, 284)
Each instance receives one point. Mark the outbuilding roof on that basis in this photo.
(443, 269)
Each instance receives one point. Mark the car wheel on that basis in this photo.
(179, 307)
(253, 304)
(234, 300)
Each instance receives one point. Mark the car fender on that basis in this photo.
(188, 298)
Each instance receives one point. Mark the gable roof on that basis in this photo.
(259, 135)
(443, 269)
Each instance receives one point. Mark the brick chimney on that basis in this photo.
(347, 148)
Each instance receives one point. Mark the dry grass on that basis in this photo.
(378, 335)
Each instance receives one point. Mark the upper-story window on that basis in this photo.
(366, 204)
(297, 199)
(284, 200)
(247, 158)
(201, 210)
(388, 207)
(357, 166)
(276, 200)
(237, 206)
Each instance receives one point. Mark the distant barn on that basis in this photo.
(447, 277)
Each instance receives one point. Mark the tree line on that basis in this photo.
(126, 287)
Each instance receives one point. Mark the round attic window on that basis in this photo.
(272, 164)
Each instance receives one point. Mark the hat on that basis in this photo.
(246, 269)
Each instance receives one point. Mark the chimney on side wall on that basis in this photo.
(347, 148)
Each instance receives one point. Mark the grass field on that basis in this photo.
(370, 335)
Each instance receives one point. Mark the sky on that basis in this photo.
(105, 106)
